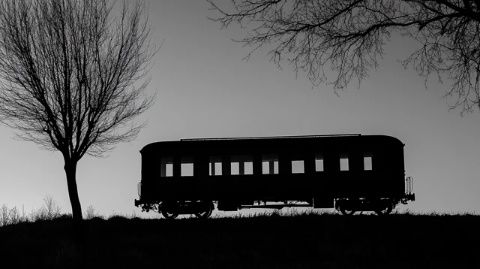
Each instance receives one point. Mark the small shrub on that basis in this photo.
(49, 211)
(52, 210)
(4, 218)
(11, 216)
(14, 216)
(90, 212)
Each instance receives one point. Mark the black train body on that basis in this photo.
(349, 172)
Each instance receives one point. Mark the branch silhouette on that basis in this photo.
(348, 37)
(73, 77)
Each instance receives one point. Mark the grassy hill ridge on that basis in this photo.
(304, 241)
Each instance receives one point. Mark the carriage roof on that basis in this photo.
(259, 143)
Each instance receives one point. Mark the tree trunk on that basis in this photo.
(71, 172)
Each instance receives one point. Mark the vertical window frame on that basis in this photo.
(215, 166)
(319, 163)
(270, 161)
(344, 163)
(368, 164)
(166, 167)
(241, 165)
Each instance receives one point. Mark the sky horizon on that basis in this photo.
(205, 88)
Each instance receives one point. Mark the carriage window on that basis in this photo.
(269, 164)
(241, 165)
(168, 170)
(269, 167)
(215, 168)
(248, 168)
(344, 164)
(319, 164)
(186, 169)
(298, 167)
(166, 167)
(235, 168)
(367, 163)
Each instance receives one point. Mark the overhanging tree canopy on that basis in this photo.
(347, 37)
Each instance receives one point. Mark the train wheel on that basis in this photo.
(346, 211)
(207, 212)
(169, 215)
(384, 211)
(169, 210)
(342, 206)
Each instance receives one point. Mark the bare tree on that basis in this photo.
(69, 72)
(347, 37)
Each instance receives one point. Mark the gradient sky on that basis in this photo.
(205, 89)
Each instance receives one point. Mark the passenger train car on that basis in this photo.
(348, 172)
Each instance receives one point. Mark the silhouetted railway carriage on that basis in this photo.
(347, 172)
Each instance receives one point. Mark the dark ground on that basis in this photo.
(306, 241)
